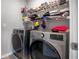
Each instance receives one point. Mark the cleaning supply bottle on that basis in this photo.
(43, 24)
(36, 25)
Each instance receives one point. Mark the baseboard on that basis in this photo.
(3, 56)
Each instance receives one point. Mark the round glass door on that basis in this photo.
(43, 50)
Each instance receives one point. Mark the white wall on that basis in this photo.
(73, 27)
(10, 19)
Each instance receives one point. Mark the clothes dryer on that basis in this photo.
(20, 43)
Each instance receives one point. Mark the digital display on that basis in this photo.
(56, 37)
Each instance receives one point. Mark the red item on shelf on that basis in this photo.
(59, 28)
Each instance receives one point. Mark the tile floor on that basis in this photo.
(10, 57)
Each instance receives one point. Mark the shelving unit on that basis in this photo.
(55, 17)
(60, 7)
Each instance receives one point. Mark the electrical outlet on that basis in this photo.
(74, 46)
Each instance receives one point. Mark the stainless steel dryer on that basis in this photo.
(17, 42)
(20, 43)
(49, 45)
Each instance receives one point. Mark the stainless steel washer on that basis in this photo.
(49, 45)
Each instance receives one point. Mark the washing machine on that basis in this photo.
(49, 45)
(20, 43)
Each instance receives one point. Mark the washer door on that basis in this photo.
(43, 50)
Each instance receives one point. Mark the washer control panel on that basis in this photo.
(48, 35)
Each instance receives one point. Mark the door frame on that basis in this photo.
(73, 28)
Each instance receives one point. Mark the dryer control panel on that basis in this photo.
(56, 37)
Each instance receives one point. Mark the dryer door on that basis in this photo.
(43, 50)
